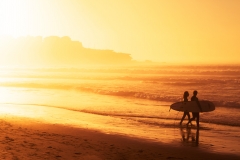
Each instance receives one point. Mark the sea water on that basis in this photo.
(132, 97)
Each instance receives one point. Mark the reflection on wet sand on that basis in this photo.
(190, 135)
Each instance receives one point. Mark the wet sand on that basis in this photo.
(26, 137)
(23, 138)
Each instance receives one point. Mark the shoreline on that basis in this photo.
(42, 132)
(27, 138)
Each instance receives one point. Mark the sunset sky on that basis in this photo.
(186, 31)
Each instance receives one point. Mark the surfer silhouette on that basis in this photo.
(195, 114)
(185, 99)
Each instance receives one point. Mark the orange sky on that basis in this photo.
(186, 31)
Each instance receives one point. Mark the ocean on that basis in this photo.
(132, 100)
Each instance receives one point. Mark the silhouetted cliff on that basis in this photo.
(55, 51)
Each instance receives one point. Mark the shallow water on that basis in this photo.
(132, 101)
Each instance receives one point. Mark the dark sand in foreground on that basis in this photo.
(28, 139)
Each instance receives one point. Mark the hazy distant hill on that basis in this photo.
(55, 51)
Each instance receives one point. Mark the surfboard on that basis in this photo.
(193, 106)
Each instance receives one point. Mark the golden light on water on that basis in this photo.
(109, 65)
(5, 95)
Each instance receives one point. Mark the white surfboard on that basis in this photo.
(193, 106)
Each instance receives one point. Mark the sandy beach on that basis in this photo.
(26, 138)
(97, 79)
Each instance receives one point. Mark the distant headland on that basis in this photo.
(56, 50)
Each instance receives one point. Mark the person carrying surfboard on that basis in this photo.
(195, 114)
(185, 99)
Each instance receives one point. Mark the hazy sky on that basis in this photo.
(185, 31)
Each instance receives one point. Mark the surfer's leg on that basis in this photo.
(190, 121)
(184, 115)
(197, 120)
(188, 116)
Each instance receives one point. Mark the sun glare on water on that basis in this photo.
(8, 97)
(5, 95)
(15, 102)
